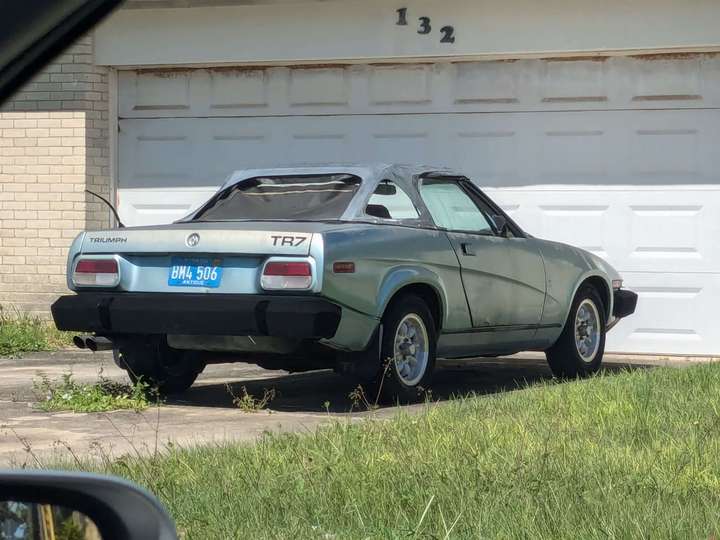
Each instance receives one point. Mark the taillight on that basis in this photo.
(96, 273)
(281, 275)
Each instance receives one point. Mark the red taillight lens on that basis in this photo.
(284, 275)
(294, 269)
(96, 273)
(97, 266)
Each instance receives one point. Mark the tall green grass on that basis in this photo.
(22, 332)
(634, 455)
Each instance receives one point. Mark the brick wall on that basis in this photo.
(53, 145)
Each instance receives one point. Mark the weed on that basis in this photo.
(359, 400)
(22, 332)
(246, 402)
(104, 395)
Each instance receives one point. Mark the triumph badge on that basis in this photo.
(192, 240)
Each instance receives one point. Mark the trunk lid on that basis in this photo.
(229, 255)
(245, 238)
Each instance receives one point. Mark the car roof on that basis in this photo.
(366, 171)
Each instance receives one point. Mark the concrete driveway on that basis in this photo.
(206, 413)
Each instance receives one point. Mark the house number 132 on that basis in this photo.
(425, 26)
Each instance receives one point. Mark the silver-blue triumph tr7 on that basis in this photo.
(374, 271)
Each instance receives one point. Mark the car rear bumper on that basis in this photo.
(624, 303)
(110, 314)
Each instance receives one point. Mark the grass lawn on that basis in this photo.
(21, 332)
(634, 455)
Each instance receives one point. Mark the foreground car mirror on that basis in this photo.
(54, 505)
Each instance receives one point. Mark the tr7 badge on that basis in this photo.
(292, 241)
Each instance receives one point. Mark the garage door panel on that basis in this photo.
(320, 86)
(156, 155)
(303, 145)
(574, 82)
(492, 154)
(671, 315)
(574, 154)
(232, 90)
(669, 232)
(672, 230)
(667, 152)
(151, 206)
(161, 158)
(153, 94)
(659, 79)
(400, 84)
(229, 147)
(399, 144)
(491, 83)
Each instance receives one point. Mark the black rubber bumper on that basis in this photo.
(624, 303)
(197, 314)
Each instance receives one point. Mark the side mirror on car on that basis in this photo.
(501, 225)
(49, 505)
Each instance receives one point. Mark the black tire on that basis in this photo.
(162, 368)
(564, 358)
(389, 385)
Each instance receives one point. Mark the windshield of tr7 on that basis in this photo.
(312, 197)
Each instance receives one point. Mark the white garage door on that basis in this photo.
(618, 156)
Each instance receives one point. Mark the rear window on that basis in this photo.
(316, 197)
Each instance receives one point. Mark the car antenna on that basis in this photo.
(112, 208)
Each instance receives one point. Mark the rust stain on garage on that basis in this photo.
(170, 72)
(576, 58)
(672, 56)
(165, 73)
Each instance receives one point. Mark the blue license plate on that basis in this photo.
(195, 272)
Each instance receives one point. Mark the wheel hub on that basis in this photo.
(411, 349)
(587, 330)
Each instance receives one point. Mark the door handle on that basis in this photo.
(467, 248)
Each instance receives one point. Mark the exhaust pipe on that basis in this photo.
(93, 343)
(98, 343)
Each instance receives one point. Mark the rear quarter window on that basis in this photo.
(390, 201)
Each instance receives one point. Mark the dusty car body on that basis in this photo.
(360, 238)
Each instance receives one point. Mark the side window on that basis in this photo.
(451, 208)
(390, 202)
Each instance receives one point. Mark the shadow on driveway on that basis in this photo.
(324, 391)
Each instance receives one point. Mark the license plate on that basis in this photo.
(195, 272)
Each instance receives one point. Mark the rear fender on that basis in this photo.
(75, 250)
(402, 276)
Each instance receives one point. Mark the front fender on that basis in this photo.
(402, 276)
(608, 290)
(566, 268)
